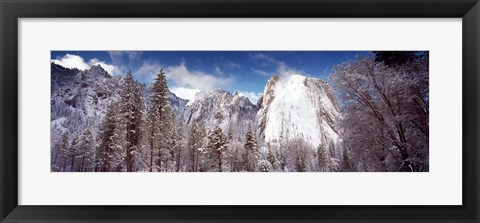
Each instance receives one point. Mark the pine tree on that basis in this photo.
(170, 137)
(323, 158)
(272, 158)
(74, 147)
(108, 140)
(217, 145)
(180, 150)
(86, 150)
(160, 121)
(132, 111)
(153, 132)
(232, 150)
(195, 142)
(62, 151)
(252, 152)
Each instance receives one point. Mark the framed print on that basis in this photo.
(239, 111)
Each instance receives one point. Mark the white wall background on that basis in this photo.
(441, 186)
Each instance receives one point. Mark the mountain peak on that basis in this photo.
(291, 100)
(222, 91)
(98, 69)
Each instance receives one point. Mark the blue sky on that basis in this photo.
(188, 72)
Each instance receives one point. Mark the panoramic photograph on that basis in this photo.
(239, 111)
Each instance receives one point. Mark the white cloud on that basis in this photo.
(181, 76)
(148, 70)
(285, 70)
(75, 61)
(72, 61)
(186, 93)
(252, 96)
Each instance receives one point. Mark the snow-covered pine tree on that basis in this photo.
(181, 141)
(232, 151)
(272, 158)
(55, 145)
(131, 113)
(217, 145)
(108, 142)
(74, 149)
(166, 138)
(61, 153)
(170, 135)
(160, 122)
(195, 142)
(153, 119)
(251, 150)
(323, 155)
(237, 153)
(300, 155)
(87, 155)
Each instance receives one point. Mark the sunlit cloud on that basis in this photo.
(74, 61)
(181, 76)
(186, 93)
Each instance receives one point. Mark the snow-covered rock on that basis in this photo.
(83, 101)
(298, 107)
(80, 99)
(91, 91)
(61, 76)
(222, 108)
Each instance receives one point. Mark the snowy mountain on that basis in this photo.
(298, 107)
(220, 107)
(291, 107)
(80, 99)
(61, 76)
(294, 107)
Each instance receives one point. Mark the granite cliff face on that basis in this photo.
(298, 107)
(220, 107)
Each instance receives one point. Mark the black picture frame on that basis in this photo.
(11, 11)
